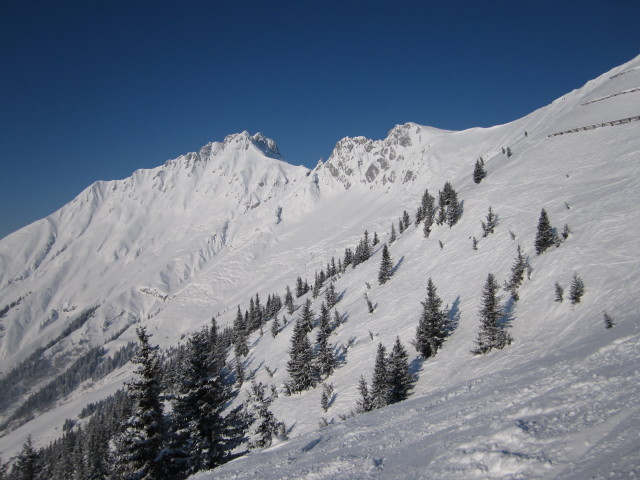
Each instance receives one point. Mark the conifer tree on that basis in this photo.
(204, 436)
(428, 213)
(379, 393)
(393, 236)
(366, 247)
(300, 290)
(491, 334)
(266, 426)
(275, 327)
(240, 345)
(140, 446)
(330, 296)
(376, 240)
(405, 220)
(364, 403)
(300, 365)
(325, 398)
(26, 466)
(479, 172)
(545, 236)
(608, 322)
(442, 208)
(325, 357)
(576, 290)
(336, 319)
(517, 275)
(386, 266)
(306, 316)
(559, 292)
(398, 373)
(431, 330)
(489, 227)
(288, 301)
(454, 210)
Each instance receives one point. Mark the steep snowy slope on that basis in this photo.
(173, 246)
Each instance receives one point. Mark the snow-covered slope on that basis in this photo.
(173, 246)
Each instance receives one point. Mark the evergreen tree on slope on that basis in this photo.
(545, 236)
(140, 446)
(379, 393)
(300, 365)
(384, 274)
(431, 333)
(398, 373)
(491, 334)
(325, 357)
(204, 436)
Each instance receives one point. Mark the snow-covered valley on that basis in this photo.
(174, 246)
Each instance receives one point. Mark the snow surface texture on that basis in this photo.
(172, 246)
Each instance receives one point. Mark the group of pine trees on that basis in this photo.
(391, 380)
(309, 364)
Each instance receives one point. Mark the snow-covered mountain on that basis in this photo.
(173, 246)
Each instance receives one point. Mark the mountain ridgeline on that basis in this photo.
(398, 271)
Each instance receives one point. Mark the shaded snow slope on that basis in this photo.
(173, 246)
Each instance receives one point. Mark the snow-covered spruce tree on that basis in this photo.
(393, 236)
(428, 213)
(406, 221)
(489, 226)
(608, 320)
(203, 437)
(364, 403)
(366, 247)
(266, 426)
(454, 210)
(559, 292)
(370, 307)
(139, 448)
(325, 358)
(545, 236)
(491, 334)
(275, 326)
(386, 266)
(479, 172)
(379, 393)
(577, 289)
(517, 275)
(400, 226)
(306, 316)
(300, 290)
(288, 301)
(301, 366)
(398, 373)
(376, 240)
(431, 333)
(240, 345)
(330, 296)
(26, 465)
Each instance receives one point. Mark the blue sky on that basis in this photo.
(95, 90)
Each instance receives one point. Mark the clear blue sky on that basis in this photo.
(94, 90)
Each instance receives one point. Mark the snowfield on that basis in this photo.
(173, 246)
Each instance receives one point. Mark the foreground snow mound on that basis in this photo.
(573, 415)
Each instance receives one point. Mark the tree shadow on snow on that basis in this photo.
(453, 317)
(397, 266)
(415, 366)
(508, 314)
(341, 295)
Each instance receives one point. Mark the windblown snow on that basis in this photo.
(173, 246)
